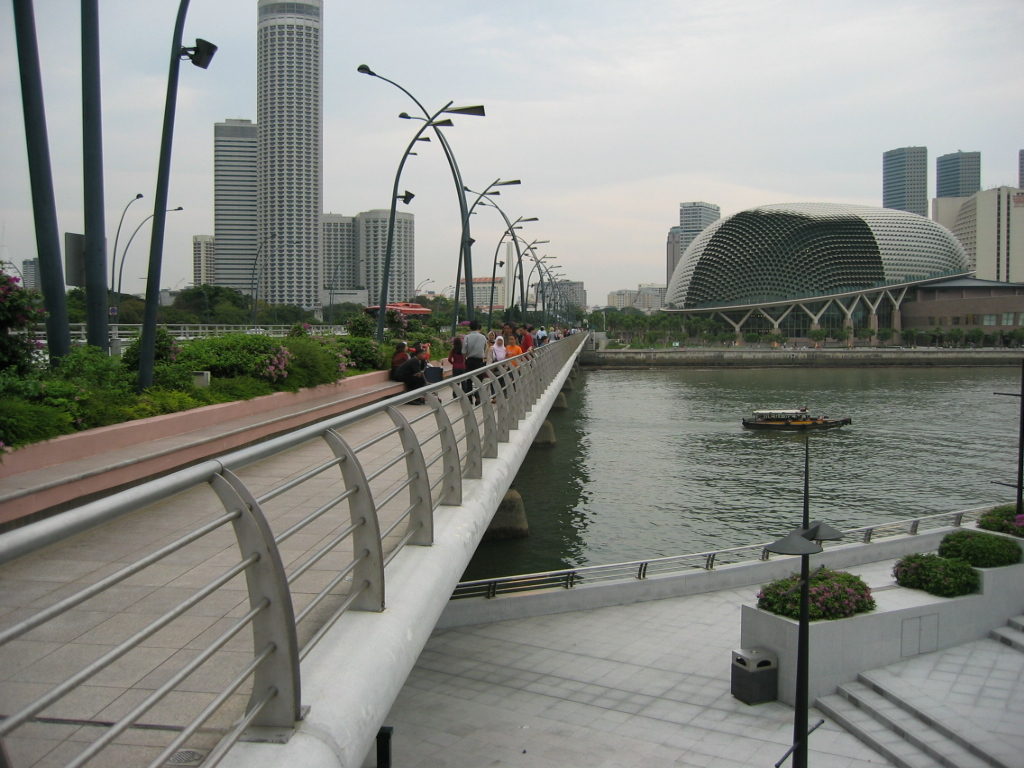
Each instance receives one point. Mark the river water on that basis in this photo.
(651, 463)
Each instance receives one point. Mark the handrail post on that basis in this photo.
(451, 483)
(366, 527)
(276, 624)
(474, 468)
(421, 515)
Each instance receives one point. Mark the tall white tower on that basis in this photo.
(371, 245)
(289, 117)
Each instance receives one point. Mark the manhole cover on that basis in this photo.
(186, 757)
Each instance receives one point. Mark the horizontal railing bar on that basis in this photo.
(401, 519)
(397, 490)
(229, 739)
(121, 649)
(318, 635)
(321, 553)
(309, 474)
(146, 704)
(401, 543)
(91, 591)
(381, 470)
(322, 594)
(374, 440)
(314, 516)
(592, 573)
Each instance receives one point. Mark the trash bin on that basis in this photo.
(755, 675)
(433, 374)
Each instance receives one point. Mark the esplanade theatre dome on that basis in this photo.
(791, 250)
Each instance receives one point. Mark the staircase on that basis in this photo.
(929, 726)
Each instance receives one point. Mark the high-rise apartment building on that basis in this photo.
(958, 174)
(341, 263)
(371, 228)
(694, 218)
(234, 205)
(622, 298)
(1020, 168)
(990, 225)
(571, 292)
(673, 251)
(30, 274)
(905, 179)
(204, 260)
(289, 116)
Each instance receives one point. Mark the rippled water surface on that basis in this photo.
(653, 463)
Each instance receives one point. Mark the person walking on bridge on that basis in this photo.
(474, 347)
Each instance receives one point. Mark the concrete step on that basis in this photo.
(1010, 636)
(968, 738)
(926, 737)
(863, 726)
(1017, 622)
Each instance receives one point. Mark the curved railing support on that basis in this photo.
(274, 626)
(421, 508)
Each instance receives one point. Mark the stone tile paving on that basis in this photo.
(636, 685)
(50, 654)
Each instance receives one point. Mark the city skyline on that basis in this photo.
(586, 108)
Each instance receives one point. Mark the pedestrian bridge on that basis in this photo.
(263, 608)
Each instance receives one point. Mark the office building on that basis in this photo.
(673, 250)
(341, 264)
(958, 174)
(650, 297)
(234, 205)
(905, 180)
(204, 260)
(289, 116)
(621, 298)
(371, 231)
(990, 226)
(570, 293)
(30, 274)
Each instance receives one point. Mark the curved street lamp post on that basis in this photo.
(124, 255)
(200, 55)
(117, 235)
(476, 111)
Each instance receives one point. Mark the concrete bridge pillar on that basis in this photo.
(546, 433)
(560, 403)
(509, 521)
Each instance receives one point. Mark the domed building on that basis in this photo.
(834, 263)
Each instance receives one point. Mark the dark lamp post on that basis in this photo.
(803, 542)
(117, 235)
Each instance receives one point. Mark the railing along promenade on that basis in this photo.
(129, 331)
(568, 578)
(167, 621)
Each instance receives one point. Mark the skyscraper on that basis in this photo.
(371, 246)
(341, 266)
(289, 116)
(234, 205)
(1020, 168)
(203, 260)
(958, 174)
(673, 251)
(905, 179)
(693, 218)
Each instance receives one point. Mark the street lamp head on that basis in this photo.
(407, 197)
(201, 54)
(138, 196)
(819, 531)
(476, 111)
(179, 208)
(794, 543)
(508, 183)
(446, 123)
(365, 70)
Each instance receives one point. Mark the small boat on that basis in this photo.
(796, 419)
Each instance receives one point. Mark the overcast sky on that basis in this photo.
(611, 112)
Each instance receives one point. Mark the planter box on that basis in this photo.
(905, 623)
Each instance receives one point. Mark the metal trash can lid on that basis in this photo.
(755, 658)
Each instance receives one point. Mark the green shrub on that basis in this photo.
(1003, 519)
(165, 350)
(833, 595)
(238, 388)
(19, 310)
(312, 361)
(362, 325)
(363, 352)
(235, 354)
(981, 550)
(23, 422)
(155, 402)
(91, 367)
(936, 575)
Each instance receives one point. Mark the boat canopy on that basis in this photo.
(781, 413)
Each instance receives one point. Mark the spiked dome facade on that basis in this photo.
(793, 250)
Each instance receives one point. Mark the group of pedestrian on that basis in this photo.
(469, 353)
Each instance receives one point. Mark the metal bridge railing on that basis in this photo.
(169, 618)
(642, 569)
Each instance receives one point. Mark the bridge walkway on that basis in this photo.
(162, 661)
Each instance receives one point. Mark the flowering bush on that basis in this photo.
(833, 595)
(937, 575)
(1003, 519)
(20, 309)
